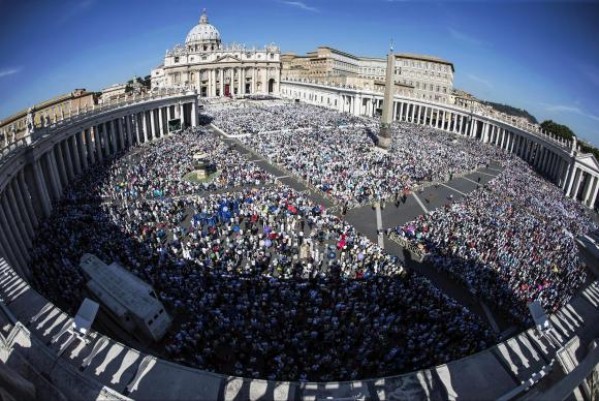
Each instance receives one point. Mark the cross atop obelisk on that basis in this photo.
(387, 118)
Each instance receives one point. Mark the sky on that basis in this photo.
(542, 56)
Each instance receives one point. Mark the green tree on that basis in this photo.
(513, 111)
(560, 130)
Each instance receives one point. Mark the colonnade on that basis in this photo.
(558, 160)
(34, 178)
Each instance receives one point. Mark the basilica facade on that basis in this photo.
(212, 68)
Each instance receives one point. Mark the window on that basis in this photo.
(177, 59)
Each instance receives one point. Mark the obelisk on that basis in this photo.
(387, 118)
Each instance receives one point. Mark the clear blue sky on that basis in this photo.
(542, 56)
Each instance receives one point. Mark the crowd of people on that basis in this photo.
(256, 118)
(344, 162)
(510, 242)
(260, 280)
(162, 169)
(264, 282)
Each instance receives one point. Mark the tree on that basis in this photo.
(560, 130)
(513, 111)
(147, 81)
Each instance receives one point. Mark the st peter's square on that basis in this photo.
(363, 207)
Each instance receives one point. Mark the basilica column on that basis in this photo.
(213, 85)
(254, 78)
(243, 80)
(221, 82)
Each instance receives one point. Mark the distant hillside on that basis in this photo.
(512, 111)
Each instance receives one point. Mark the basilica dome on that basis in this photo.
(203, 33)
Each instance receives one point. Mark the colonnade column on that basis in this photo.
(20, 215)
(129, 128)
(75, 154)
(144, 124)
(116, 136)
(194, 113)
(81, 138)
(61, 164)
(16, 230)
(25, 196)
(577, 180)
(593, 198)
(56, 187)
(160, 122)
(152, 124)
(21, 228)
(98, 143)
(8, 249)
(588, 187)
(42, 188)
(14, 244)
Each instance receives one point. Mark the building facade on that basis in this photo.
(212, 68)
(423, 77)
